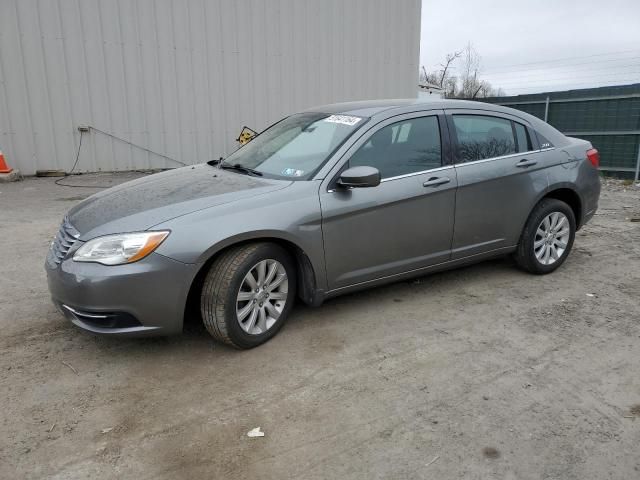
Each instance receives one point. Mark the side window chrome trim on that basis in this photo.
(511, 155)
(414, 174)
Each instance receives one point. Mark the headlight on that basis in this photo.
(119, 249)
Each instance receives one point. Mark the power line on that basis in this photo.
(521, 79)
(550, 63)
(629, 70)
(570, 86)
(606, 67)
(568, 81)
(569, 58)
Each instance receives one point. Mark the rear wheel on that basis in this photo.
(248, 293)
(547, 237)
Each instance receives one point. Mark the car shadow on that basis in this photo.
(196, 341)
(454, 280)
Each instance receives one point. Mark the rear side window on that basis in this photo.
(524, 143)
(481, 137)
(544, 143)
(401, 148)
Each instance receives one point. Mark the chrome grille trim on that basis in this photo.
(64, 240)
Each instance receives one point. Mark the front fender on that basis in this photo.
(292, 215)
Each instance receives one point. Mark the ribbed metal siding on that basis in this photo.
(181, 77)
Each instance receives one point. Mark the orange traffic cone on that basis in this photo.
(4, 168)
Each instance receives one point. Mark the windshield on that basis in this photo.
(295, 147)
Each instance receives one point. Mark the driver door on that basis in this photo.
(403, 224)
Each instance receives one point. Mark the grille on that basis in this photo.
(65, 238)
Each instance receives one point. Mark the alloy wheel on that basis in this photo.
(552, 238)
(262, 296)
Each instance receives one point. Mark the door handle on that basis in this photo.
(524, 163)
(436, 181)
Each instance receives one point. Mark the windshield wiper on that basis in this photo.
(215, 162)
(239, 168)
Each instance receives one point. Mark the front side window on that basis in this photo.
(402, 148)
(297, 146)
(481, 137)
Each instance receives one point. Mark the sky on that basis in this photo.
(529, 46)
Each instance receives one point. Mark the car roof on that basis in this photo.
(390, 107)
(382, 109)
(363, 108)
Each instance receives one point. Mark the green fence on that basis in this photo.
(608, 117)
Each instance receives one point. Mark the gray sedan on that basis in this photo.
(327, 201)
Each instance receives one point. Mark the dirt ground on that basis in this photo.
(482, 372)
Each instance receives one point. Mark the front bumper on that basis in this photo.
(144, 298)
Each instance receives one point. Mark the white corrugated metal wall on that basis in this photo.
(181, 77)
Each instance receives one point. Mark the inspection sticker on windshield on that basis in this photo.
(292, 172)
(344, 119)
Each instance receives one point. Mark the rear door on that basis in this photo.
(406, 222)
(500, 172)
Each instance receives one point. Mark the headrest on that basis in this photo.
(382, 138)
(498, 134)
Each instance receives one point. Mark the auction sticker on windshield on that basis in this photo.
(344, 119)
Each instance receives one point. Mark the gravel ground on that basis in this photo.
(482, 372)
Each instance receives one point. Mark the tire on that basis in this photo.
(228, 278)
(531, 253)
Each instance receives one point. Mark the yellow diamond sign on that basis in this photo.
(246, 135)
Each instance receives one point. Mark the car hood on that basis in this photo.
(142, 203)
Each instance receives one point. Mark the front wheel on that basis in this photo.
(547, 237)
(248, 293)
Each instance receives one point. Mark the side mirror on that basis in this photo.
(359, 177)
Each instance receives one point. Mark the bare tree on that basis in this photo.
(488, 91)
(441, 78)
(450, 58)
(451, 86)
(471, 62)
(429, 77)
(468, 84)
